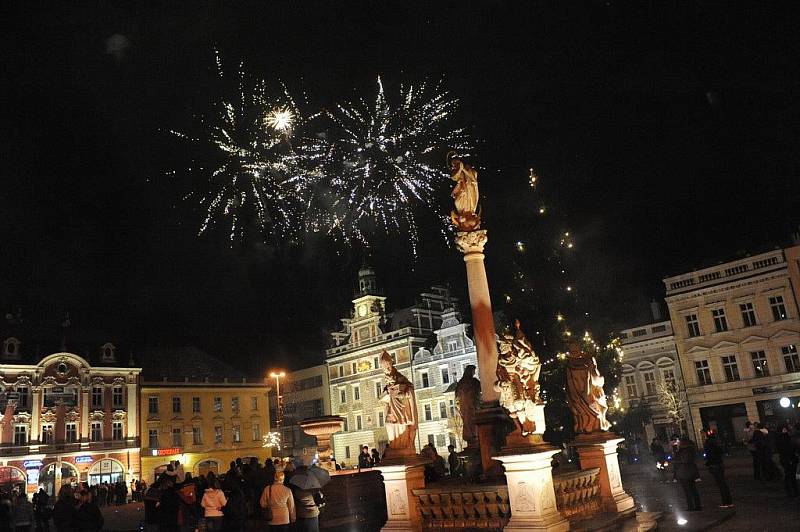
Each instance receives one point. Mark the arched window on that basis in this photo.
(47, 477)
(11, 347)
(106, 470)
(203, 468)
(10, 478)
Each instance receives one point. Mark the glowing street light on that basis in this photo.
(279, 407)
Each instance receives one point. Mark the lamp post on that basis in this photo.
(279, 403)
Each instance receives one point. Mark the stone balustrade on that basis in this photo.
(578, 492)
(464, 507)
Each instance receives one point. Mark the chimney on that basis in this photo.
(655, 309)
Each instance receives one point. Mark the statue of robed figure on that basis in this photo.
(467, 216)
(468, 400)
(518, 370)
(587, 399)
(400, 408)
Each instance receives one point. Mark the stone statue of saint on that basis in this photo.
(468, 399)
(466, 217)
(587, 399)
(400, 410)
(517, 382)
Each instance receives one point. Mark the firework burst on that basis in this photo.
(388, 159)
(263, 165)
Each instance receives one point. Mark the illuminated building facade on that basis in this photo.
(306, 394)
(65, 420)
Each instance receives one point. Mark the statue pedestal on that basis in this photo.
(400, 476)
(529, 475)
(492, 424)
(599, 449)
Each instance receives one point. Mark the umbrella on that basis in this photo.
(310, 478)
(322, 474)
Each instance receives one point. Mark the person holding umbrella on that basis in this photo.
(306, 484)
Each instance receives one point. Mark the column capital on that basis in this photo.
(471, 242)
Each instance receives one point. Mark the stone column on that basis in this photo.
(529, 474)
(131, 412)
(471, 245)
(84, 435)
(600, 450)
(399, 481)
(36, 414)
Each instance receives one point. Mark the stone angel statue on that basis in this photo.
(467, 215)
(518, 370)
(587, 399)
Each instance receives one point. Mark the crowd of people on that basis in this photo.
(179, 502)
(681, 457)
(435, 469)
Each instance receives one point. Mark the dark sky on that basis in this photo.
(665, 134)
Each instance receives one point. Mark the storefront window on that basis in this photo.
(49, 481)
(106, 470)
(11, 478)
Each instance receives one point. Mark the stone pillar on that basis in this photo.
(84, 435)
(36, 414)
(471, 245)
(399, 481)
(131, 411)
(529, 475)
(600, 450)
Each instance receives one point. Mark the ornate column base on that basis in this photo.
(530, 489)
(599, 450)
(399, 479)
(492, 424)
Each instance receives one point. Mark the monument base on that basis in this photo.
(531, 493)
(492, 424)
(401, 475)
(599, 449)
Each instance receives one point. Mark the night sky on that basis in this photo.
(665, 138)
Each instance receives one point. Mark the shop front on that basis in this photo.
(781, 411)
(107, 471)
(12, 480)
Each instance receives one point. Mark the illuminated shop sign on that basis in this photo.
(84, 460)
(167, 452)
(32, 464)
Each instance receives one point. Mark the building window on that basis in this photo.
(692, 326)
(176, 405)
(218, 404)
(71, 432)
(430, 439)
(452, 438)
(378, 389)
(376, 363)
(346, 424)
(254, 403)
(343, 396)
(347, 451)
(428, 413)
(197, 436)
(778, 308)
(116, 430)
(452, 345)
(353, 368)
(97, 431)
(256, 431)
(116, 397)
(152, 405)
(195, 405)
(177, 437)
(442, 410)
(235, 405)
(630, 385)
(22, 397)
(759, 363)
(426, 381)
(669, 376)
(731, 368)
(720, 321)
(47, 434)
(356, 392)
(20, 435)
(340, 370)
(359, 422)
(381, 421)
(452, 405)
(639, 332)
(152, 438)
(748, 314)
(440, 440)
(445, 375)
(237, 434)
(649, 382)
(703, 372)
(97, 396)
(791, 358)
(217, 434)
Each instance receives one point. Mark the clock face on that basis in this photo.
(362, 310)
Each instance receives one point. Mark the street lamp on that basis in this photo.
(279, 405)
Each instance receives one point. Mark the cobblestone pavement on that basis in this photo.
(123, 518)
(759, 506)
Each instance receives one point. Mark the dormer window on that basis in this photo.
(11, 348)
(108, 352)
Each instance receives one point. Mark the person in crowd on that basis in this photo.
(23, 514)
(763, 449)
(749, 429)
(714, 463)
(453, 462)
(306, 506)
(336, 464)
(686, 472)
(364, 458)
(787, 447)
(236, 507)
(41, 510)
(280, 500)
(64, 510)
(213, 502)
(660, 457)
(376, 457)
(189, 510)
(168, 505)
(288, 471)
(6, 513)
(88, 517)
(151, 497)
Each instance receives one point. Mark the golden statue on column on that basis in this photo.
(587, 399)
(400, 410)
(518, 370)
(467, 216)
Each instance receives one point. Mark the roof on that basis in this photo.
(179, 363)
